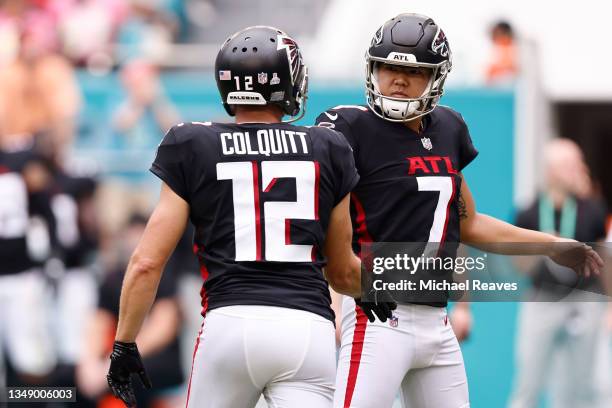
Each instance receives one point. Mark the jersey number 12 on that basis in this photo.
(245, 177)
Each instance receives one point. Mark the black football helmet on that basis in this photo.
(412, 40)
(262, 65)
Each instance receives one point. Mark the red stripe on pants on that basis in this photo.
(356, 350)
(195, 350)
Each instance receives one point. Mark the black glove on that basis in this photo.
(125, 361)
(382, 310)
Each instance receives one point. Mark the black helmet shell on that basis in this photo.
(261, 65)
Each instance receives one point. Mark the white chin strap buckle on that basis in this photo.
(399, 109)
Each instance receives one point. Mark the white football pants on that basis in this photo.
(416, 353)
(243, 351)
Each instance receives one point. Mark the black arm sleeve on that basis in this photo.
(467, 151)
(170, 163)
(339, 124)
(344, 167)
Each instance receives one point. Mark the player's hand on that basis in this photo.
(576, 255)
(125, 361)
(461, 321)
(382, 310)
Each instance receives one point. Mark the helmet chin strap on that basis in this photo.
(413, 107)
(397, 109)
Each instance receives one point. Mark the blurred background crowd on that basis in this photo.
(89, 87)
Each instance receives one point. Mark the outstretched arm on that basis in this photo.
(490, 234)
(483, 230)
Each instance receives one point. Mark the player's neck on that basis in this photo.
(415, 125)
(258, 116)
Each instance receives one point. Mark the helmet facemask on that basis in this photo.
(404, 109)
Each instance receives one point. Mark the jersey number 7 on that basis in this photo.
(246, 192)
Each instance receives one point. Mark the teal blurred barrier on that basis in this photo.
(490, 117)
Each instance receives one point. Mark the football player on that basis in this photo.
(26, 235)
(410, 153)
(269, 202)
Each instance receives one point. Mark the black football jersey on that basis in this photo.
(76, 243)
(16, 206)
(260, 198)
(410, 183)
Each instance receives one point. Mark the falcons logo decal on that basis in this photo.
(293, 54)
(439, 45)
(377, 39)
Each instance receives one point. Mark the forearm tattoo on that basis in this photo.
(463, 213)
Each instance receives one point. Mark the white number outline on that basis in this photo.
(247, 209)
(248, 83)
(445, 186)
